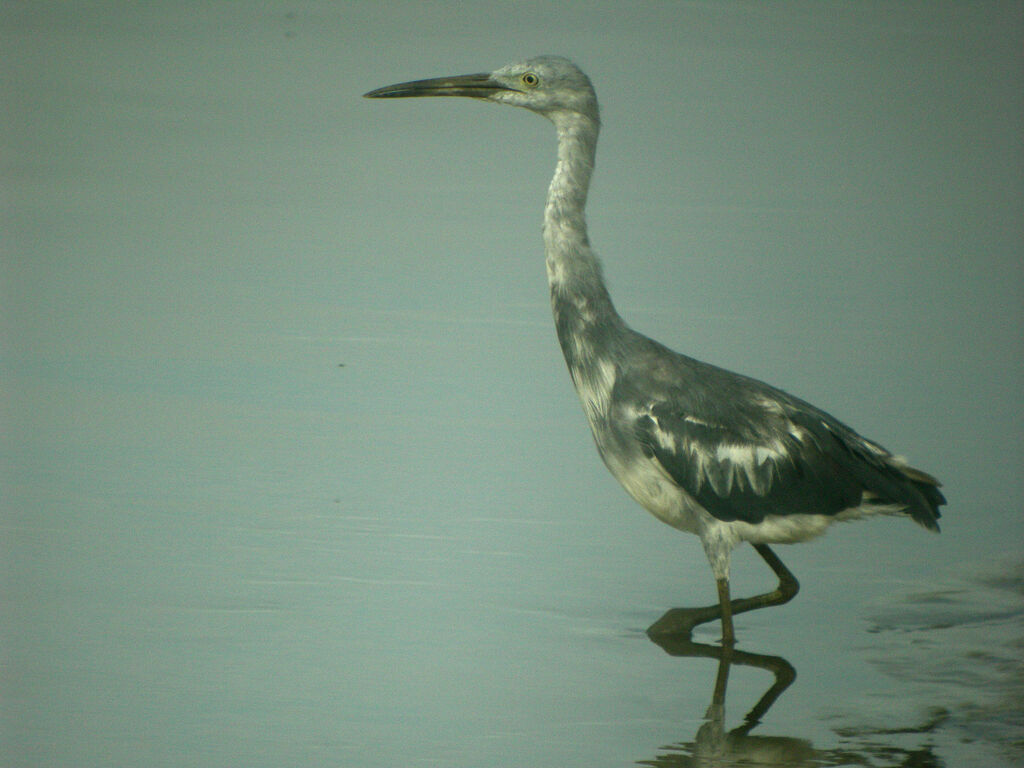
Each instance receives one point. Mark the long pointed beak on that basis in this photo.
(478, 86)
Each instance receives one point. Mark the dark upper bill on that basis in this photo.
(479, 85)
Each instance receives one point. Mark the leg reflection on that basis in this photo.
(782, 670)
(715, 747)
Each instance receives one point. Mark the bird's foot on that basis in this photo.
(679, 623)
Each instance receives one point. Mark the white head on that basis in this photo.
(548, 85)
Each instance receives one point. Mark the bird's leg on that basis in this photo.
(786, 591)
(728, 634)
(788, 585)
(681, 621)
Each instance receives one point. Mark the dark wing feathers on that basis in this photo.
(883, 478)
(746, 450)
(733, 480)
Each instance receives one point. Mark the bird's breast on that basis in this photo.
(647, 483)
(639, 475)
(594, 383)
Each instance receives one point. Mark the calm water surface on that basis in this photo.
(292, 473)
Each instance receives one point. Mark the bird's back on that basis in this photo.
(739, 448)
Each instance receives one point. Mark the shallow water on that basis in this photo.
(293, 476)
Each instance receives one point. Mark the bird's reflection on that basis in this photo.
(715, 747)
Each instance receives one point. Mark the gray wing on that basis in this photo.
(744, 450)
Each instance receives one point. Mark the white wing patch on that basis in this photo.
(770, 405)
(749, 455)
(725, 466)
(737, 465)
(695, 420)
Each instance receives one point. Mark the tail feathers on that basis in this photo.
(893, 482)
(927, 495)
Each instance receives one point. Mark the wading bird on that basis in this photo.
(710, 452)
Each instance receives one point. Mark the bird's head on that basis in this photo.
(549, 85)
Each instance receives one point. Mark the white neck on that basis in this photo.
(565, 226)
(585, 319)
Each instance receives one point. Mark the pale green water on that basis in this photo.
(292, 470)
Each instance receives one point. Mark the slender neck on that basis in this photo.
(565, 227)
(584, 315)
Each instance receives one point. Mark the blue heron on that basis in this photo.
(707, 451)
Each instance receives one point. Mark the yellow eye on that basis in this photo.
(530, 80)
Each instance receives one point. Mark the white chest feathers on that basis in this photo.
(641, 477)
(594, 384)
